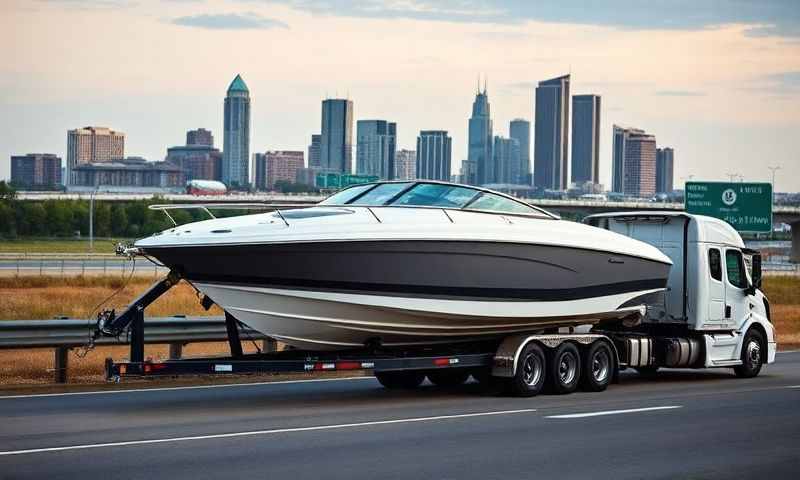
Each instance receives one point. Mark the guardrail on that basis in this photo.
(46, 264)
(63, 335)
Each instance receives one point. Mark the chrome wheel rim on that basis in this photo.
(531, 370)
(601, 365)
(753, 353)
(567, 366)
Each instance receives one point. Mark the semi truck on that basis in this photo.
(712, 314)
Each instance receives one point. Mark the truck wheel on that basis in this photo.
(598, 367)
(564, 369)
(448, 377)
(400, 380)
(753, 353)
(529, 378)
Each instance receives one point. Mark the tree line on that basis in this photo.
(70, 218)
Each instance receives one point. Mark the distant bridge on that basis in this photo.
(780, 213)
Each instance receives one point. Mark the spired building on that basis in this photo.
(586, 139)
(236, 137)
(520, 130)
(434, 149)
(376, 145)
(405, 165)
(551, 145)
(93, 145)
(634, 171)
(665, 164)
(480, 140)
(36, 170)
(336, 139)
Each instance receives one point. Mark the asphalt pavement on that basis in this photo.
(681, 424)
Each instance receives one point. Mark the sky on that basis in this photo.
(717, 80)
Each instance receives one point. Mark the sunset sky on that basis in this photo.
(719, 82)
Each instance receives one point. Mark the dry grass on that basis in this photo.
(57, 246)
(47, 297)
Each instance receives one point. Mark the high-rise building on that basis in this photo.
(201, 136)
(93, 145)
(336, 149)
(468, 172)
(480, 140)
(520, 130)
(665, 164)
(551, 139)
(315, 151)
(586, 139)
(271, 167)
(236, 137)
(376, 145)
(434, 149)
(36, 170)
(405, 165)
(506, 154)
(634, 156)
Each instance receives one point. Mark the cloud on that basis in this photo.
(84, 4)
(229, 21)
(765, 18)
(680, 93)
(782, 82)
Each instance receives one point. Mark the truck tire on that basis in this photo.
(753, 352)
(564, 369)
(400, 380)
(531, 372)
(448, 377)
(598, 367)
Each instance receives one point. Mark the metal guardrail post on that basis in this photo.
(175, 350)
(61, 364)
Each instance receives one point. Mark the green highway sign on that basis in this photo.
(746, 206)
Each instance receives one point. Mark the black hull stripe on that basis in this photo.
(440, 292)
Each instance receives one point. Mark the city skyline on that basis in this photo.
(721, 94)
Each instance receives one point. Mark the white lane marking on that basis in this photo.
(191, 387)
(266, 432)
(614, 412)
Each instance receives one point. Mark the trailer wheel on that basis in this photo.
(753, 352)
(564, 369)
(598, 367)
(530, 376)
(400, 380)
(448, 377)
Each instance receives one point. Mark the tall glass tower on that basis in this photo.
(236, 149)
(550, 143)
(586, 139)
(480, 140)
(336, 150)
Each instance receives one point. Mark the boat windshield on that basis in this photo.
(424, 194)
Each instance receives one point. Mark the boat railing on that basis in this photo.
(208, 207)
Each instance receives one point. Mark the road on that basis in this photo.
(703, 424)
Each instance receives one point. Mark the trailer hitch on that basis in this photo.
(109, 324)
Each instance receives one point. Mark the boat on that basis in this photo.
(400, 263)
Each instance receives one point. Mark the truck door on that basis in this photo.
(735, 298)
(716, 286)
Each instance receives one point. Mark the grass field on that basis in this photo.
(76, 297)
(57, 246)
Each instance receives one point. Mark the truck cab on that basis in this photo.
(713, 306)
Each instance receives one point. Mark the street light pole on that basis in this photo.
(774, 169)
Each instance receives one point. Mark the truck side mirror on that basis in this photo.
(757, 270)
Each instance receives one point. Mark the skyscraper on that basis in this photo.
(434, 149)
(665, 164)
(405, 165)
(315, 151)
(586, 139)
(551, 144)
(480, 140)
(520, 130)
(93, 145)
(634, 162)
(336, 149)
(376, 145)
(201, 136)
(36, 170)
(236, 148)
(506, 154)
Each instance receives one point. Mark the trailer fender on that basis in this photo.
(507, 355)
